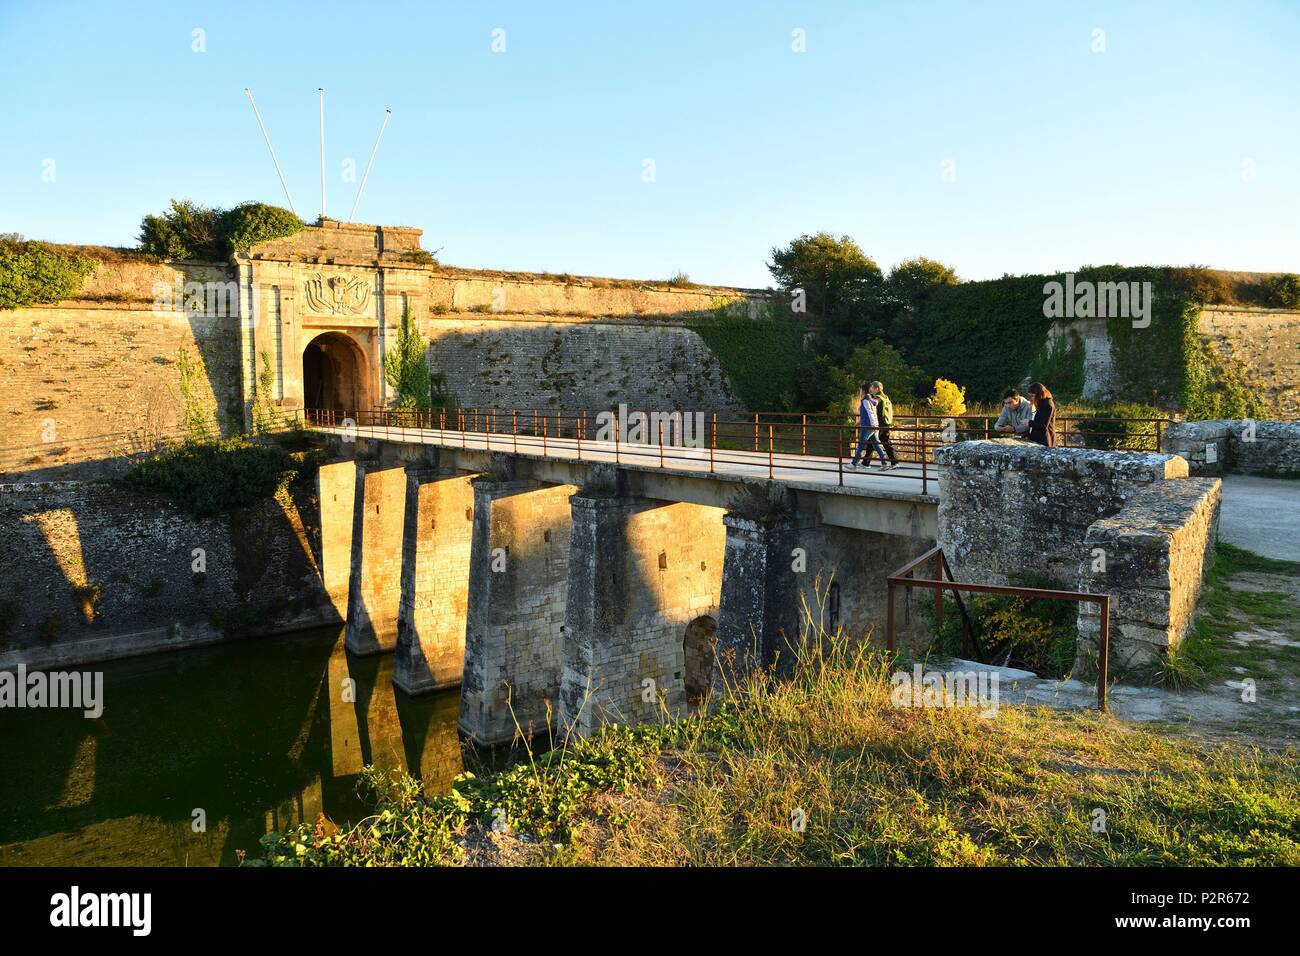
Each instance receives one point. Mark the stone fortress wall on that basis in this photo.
(99, 377)
(1265, 342)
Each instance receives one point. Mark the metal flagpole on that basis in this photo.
(387, 115)
(267, 137)
(321, 91)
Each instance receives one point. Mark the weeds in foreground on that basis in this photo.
(821, 768)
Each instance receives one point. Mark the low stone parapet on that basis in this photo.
(1241, 446)
(1008, 507)
(1150, 557)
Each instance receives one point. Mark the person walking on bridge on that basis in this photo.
(885, 413)
(868, 430)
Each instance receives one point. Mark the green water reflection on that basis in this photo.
(258, 734)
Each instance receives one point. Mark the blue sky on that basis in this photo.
(1178, 144)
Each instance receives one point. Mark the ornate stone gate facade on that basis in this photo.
(337, 289)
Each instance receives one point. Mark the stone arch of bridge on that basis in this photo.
(698, 644)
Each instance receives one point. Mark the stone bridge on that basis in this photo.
(574, 586)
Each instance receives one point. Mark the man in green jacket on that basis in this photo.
(885, 412)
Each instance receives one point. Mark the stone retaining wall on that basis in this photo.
(1128, 524)
(1150, 558)
(1240, 446)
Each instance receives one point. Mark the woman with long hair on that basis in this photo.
(1042, 427)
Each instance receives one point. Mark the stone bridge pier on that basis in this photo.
(645, 581)
(515, 612)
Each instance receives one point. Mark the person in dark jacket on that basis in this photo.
(1042, 427)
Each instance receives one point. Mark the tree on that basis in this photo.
(841, 283)
(909, 285)
(33, 273)
(875, 361)
(188, 231)
(406, 369)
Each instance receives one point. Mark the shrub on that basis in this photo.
(1127, 431)
(875, 361)
(949, 399)
(32, 273)
(1283, 291)
(406, 368)
(191, 231)
(1033, 633)
(187, 231)
(1203, 285)
(253, 222)
(212, 478)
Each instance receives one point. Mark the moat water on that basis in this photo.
(259, 735)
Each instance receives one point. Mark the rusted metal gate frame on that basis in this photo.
(903, 578)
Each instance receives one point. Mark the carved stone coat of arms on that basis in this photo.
(337, 295)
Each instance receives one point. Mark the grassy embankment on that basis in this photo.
(823, 769)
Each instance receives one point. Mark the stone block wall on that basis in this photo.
(1150, 557)
(514, 632)
(1008, 507)
(1127, 524)
(1267, 343)
(85, 386)
(92, 572)
(640, 572)
(1236, 446)
(96, 378)
(534, 362)
(789, 577)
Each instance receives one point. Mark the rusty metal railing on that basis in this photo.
(943, 581)
(717, 440)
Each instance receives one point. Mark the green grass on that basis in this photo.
(1206, 654)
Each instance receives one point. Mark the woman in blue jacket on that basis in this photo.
(868, 431)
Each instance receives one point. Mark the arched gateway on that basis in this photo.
(334, 374)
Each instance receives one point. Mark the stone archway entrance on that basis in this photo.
(334, 374)
(698, 645)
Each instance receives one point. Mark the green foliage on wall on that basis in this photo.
(33, 273)
(982, 335)
(265, 414)
(212, 478)
(1060, 363)
(989, 335)
(1221, 389)
(189, 231)
(196, 419)
(761, 357)
(1284, 290)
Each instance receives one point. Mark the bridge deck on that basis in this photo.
(906, 481)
